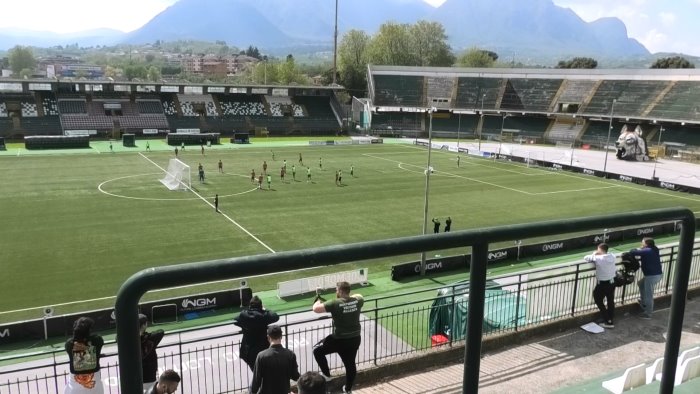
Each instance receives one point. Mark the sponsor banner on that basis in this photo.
(377, 141)
(187, 131)
(343, 142)
(62, 326)
(464, 150)
(317, 142)
(150, 131)
(432, 266)
(648, 231)
(364, 142)
(502, 254)
(544, 249)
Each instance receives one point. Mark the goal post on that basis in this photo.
(177, 176)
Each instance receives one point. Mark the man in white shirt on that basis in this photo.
(605, 283)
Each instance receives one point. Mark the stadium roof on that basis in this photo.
(686, 74)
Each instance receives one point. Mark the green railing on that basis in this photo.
(156, 278)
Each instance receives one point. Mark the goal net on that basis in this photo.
(177, 176)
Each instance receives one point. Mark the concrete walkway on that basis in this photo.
(573, 361)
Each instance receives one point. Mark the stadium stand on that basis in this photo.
(534, 95)
(575, 91)
(682, 102)
(683, 135)
(477, 93)
(632, 97)
(241, 105)
(399, 90)
(45, 125)
(3, 110)
(72, 107)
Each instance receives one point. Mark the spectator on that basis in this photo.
(84, 359)
(167, 383)
(274, 367)
(346, 337)
(311, 383)
(149, 357)
(436, 225)
(605, 283)
(651, 268)
(254, 321)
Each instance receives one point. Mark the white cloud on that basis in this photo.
(66, 16)
(655, 41)
(667, 18)
(437, 3)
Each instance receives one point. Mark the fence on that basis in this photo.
(394, 327)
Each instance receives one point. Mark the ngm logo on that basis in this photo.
(588, 172)
(645, 231)
(429, 266)
(557, 166)
(501, 254)
(5, 333)
(625, 178)
(554, 246)
(601, 238)
(667, 185)
(198, 303)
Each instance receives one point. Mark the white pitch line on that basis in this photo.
(454, 175)
(578, 190)
(212, 205)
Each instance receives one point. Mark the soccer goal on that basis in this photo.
(177, 176)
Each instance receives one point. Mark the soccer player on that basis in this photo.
(264, 167)
(182, 147)
(458, 160)
(269, 181)
(336, 177)
(352, 170)
(294, 172)
(320, 163)
(273, 155)
(448, 224)
(308, 174)
(436, 225)
(260, 182)
(176, 151)
(111, 149)
(148, 146)
(285, 164)
(340, 177)
(300, 159)
(202, 149)
(201, 172)
(216, 203)
(252, 176)
(221, 166)
(282, 174)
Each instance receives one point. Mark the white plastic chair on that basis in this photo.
(686, 354)
(632, 378)
(690, 369)
(654, 372)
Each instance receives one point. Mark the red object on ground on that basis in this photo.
(585, 146)
(439, 339)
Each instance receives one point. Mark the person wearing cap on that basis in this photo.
(149, 357)
(254, 321)
(274, 366)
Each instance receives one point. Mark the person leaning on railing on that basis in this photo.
(149, 357)
(605, 283)
(650, 260)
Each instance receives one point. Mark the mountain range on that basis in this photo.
(517, 28)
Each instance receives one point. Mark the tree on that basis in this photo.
(132, 71)
(578, 62)
(672, 62)
(150, 57)
(352, 61)
(153, 74)
(476, 57)
(392, 46)
(21, 58)
(253, 52)
(289, 73)
(429, 44)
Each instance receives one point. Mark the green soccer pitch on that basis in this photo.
(75, 226)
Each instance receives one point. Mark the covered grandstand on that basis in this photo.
(109, 109)
(539, 105)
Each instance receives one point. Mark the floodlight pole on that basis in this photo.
(427, 187)
(607, 143)
(335, 44)
(656, 159)
(459, 126)
(481, 124)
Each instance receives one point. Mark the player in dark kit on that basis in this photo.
(221, 166)
(340, 177)
(264, 167)
(216, 203)
(336, 178)
(448, 224)
(436, 227)
(252, 176)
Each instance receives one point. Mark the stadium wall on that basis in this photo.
(454, 263)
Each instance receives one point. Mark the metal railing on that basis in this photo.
(393, 327)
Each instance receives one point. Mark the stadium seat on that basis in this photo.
(690, 369)
(632, 378)
(654, 372)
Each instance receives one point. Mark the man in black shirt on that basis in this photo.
(149, 357)
(254, 322)
(436, 225)
(448, 224)
(274, 367)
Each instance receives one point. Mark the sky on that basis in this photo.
(661, 25)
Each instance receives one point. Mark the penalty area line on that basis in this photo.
(212, 206)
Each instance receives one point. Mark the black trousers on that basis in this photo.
(346, 349)
(605, 291)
